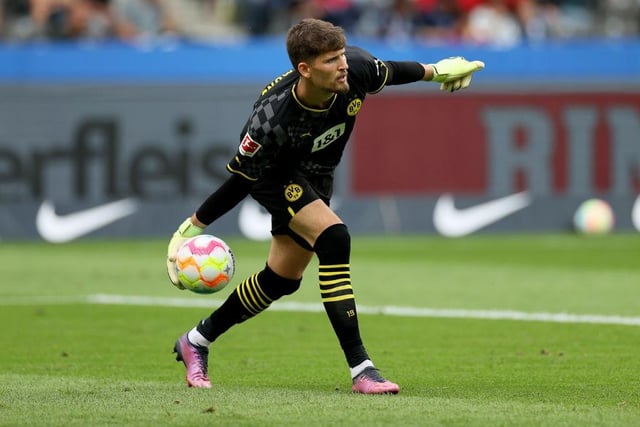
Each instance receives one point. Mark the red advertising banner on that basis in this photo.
(550, 143)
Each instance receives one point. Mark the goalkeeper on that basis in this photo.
(289, 147)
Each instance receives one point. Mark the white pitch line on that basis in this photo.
(385, 310)
(317, 308)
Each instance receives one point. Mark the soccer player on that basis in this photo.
(290, 145)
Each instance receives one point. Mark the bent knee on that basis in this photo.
(334, 240)
(276, 286)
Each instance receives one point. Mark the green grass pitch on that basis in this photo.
(88, 329)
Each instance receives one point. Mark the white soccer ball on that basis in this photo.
(205, 264)
(594, 216)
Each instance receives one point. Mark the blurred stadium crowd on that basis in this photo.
(486, 22)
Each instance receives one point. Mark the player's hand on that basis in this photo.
(455, 73)
(186, 231)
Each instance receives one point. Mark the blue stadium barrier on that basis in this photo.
(576, 61)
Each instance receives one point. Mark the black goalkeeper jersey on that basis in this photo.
(282, 136)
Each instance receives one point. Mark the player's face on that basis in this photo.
(329, 72)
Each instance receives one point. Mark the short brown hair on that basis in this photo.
(312, 37)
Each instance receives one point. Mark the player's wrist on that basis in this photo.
(185, 231)
(188, 229)
(430, 72)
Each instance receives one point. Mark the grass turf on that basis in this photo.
(86, 364)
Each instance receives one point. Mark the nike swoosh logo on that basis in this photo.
(635, 214)
(253, 221)
(64, 228)
(453, 222)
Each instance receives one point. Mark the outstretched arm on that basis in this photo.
(453, 73)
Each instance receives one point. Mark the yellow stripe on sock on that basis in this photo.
(257, 295)
(334, 282)
(336, 289)
(244, 303)
(244, 299)
(346, 266)
(338, 298)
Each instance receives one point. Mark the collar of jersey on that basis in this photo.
(316, 110)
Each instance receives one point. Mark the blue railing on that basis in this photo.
(583, 61)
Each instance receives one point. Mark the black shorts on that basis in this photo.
(283, 198)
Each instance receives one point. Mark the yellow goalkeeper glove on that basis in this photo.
(186, 231)
(455, 73)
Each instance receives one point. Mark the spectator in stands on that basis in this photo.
(143, 19)
(438, 20)
(539, 19)
(298, 10)
(577, 17)
(619, 18)
(343, 13)
(495, 22)
(27, 19)
(58, 19)
(396, 22)
(16, 21)
(205, 19)
(92, 19)
(370, 16)
(49, 16)
(258, 16)
(492, 23)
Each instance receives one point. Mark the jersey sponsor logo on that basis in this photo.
(293, 192)
(249, 147)
(354, 107)
(328, 137)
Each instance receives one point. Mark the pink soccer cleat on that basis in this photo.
(369, 381)
(196, 359)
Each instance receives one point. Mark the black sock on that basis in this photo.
(250, 298)
(333, 248)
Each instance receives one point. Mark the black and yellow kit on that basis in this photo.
(288, 151)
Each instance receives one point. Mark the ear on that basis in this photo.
(304, 69)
